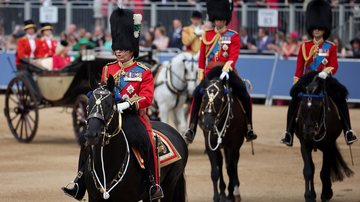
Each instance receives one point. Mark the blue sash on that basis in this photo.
(124, 83)
(216, 46)
(318, 59)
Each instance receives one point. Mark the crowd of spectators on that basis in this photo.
(285, 44)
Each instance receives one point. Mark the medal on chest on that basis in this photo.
(133, 76)
(225, 41)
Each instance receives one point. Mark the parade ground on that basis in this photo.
(35, 172)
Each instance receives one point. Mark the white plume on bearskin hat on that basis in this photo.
(125, 30)
(219, 10)
(318, 16)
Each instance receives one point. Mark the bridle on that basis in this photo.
(100, 94)
(224, 114)
(321, 124)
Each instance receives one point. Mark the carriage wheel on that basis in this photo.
(79, 115)
(21, 110)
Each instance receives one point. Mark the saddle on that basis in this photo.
(167, 153)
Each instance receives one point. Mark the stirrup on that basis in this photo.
(349, 142)
(75, 186)
(287, 142)
(251, 137)
(189, 136)
(158, 194)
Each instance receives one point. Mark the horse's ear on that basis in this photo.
(110, 83)
(93, 84)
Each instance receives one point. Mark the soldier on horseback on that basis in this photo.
(219, 47)
(318, 55)
(135, 86)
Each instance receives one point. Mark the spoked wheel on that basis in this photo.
(21, 110)
(79, 115)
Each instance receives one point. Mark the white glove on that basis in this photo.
(224, 74)
(122, 106)
(198, 31)
(323, 75)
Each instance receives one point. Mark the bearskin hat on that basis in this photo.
(29, 24)
(318, 16)
(219, 10)
(125, 30)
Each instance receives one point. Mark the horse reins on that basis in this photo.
(106, 140)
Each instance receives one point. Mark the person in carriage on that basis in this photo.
(318, 55)
(28, 45)
(48, 43)
(135, 86)
(219, 47)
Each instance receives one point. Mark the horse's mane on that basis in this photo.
(178, 59)
(333, 87)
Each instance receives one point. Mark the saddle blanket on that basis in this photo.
(167, 152)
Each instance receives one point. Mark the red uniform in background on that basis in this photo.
(25, 50)
(218, 48)
(47, 47)
(309, 51)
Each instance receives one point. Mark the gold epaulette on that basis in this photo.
(330, 42)
(205, 41)
(142, 65)
(110, 63)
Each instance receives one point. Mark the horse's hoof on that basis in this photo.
(326, 196)
(238, 198)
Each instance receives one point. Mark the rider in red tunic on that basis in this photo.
(48, 44)
(28, 45)
(220, 47)
(134, 85)
(321, 56)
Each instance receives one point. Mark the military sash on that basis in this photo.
(320, 57)
(225, 39)
(135, 74)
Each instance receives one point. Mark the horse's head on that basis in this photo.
(213, 103)
(101, 110)
(190, 62)
(311, 112)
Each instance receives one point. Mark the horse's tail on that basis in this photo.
(339, 168)
(180, 189)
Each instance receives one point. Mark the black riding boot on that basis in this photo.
(155, 190)
(349, 134)
(79, 188)
(194, 114)
(239, 89)
(290, 126)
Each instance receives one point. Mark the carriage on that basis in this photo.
(36, 87)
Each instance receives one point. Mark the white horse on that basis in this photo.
(174, 83)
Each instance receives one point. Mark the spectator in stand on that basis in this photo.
(304, 38)
(355, 47)
(108, 41)
(246, 41)
(290, 47)
(81, 33)
(99, 37)
(2, 40)
(71, 31)
(161, 41)
(11, 44)
(61, 57)
(148, 39)
(340, 49)
(264, 42)
(175, 41)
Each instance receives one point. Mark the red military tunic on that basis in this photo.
(218, 48)
(313, 57)
(135, 82)
(24, 49)
(45, 50)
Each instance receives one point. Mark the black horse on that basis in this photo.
(222, 119)
(111, 159)
(318, 126)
